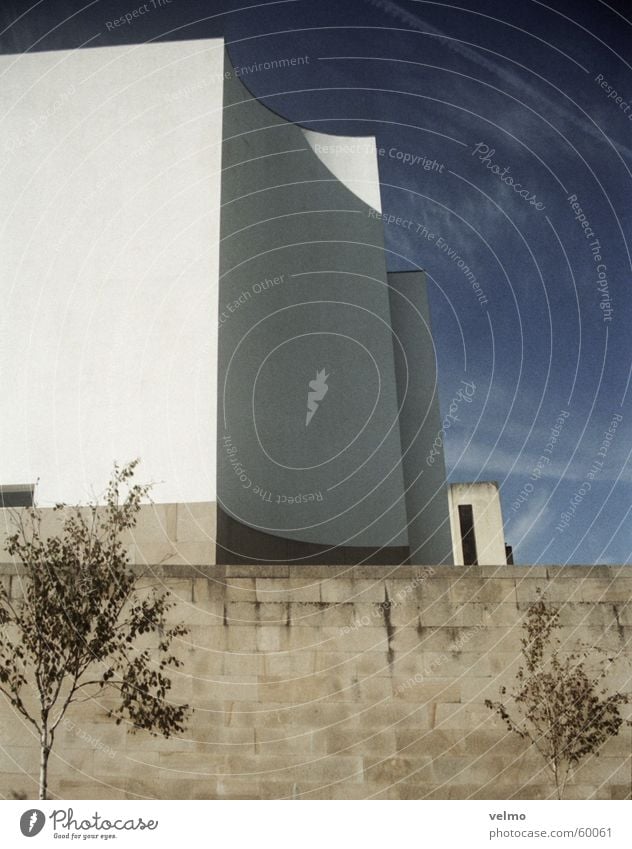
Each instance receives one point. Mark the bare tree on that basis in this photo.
(74, 635)
(558, 705)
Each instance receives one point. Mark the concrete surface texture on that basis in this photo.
(341, 682)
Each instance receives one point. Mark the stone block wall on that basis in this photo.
(342, 682)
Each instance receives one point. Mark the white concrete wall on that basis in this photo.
(109, 230)
(488, 521)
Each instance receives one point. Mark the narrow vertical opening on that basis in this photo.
(468, 538)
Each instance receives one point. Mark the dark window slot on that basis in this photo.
(468, 538)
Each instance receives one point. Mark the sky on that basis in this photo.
(505, 139)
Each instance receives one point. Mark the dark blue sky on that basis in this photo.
(491, 92)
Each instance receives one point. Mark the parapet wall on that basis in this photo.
(177, 533)
(342, 682)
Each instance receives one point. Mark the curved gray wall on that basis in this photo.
(303, 288)
(426, 489)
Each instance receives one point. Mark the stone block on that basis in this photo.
(240, 589)
(451, 615)
(502, 663)
(300, 639)
(412, 743)
(238, 664)
(273, 715)
(272, 638)
(484, 591)
(207, 589)
(181, 590)
(380, 743)
(502, 615)
(289, 590)
(242, 613)
(602, 770)
(372, 690)
(403, 615)
(415, 636)
(586, 614)
(305, 589)
(479, 689)
(422, 689)
(203, 662)
(374, 572)
(606, 590)
(375, 664)
(356, 639)
(610, 638)
(565, 589)
(293, 768)
(398, 715)
(612, 791)
(455, 770)
(155, 553)
(504, 572)
(489, 640)
(240, 638)
(274, 665)
(207, 614)
(293, 745)
(68, 764)
(406, 664)
(272, 613)
(429, 638)
(258, 570)
(203, 638)
(217, 739)
(434, 590)
(390, 770)
(467, 717)
(24, 758)
(321, 614)
(78, 731)
(339, 591)
(227, 688)
(323, 572)
(300, 690)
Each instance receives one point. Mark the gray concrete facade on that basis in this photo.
(309, 431)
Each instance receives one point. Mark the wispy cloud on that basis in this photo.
(557, 106)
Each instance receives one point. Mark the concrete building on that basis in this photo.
(317, 665)
(314, 408)
(312, 323)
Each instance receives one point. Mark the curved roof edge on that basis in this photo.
(352, 160)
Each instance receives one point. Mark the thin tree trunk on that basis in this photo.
(43, 774)
(558, 789)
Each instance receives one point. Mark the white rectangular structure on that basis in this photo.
(109, 231)
(488, 538)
